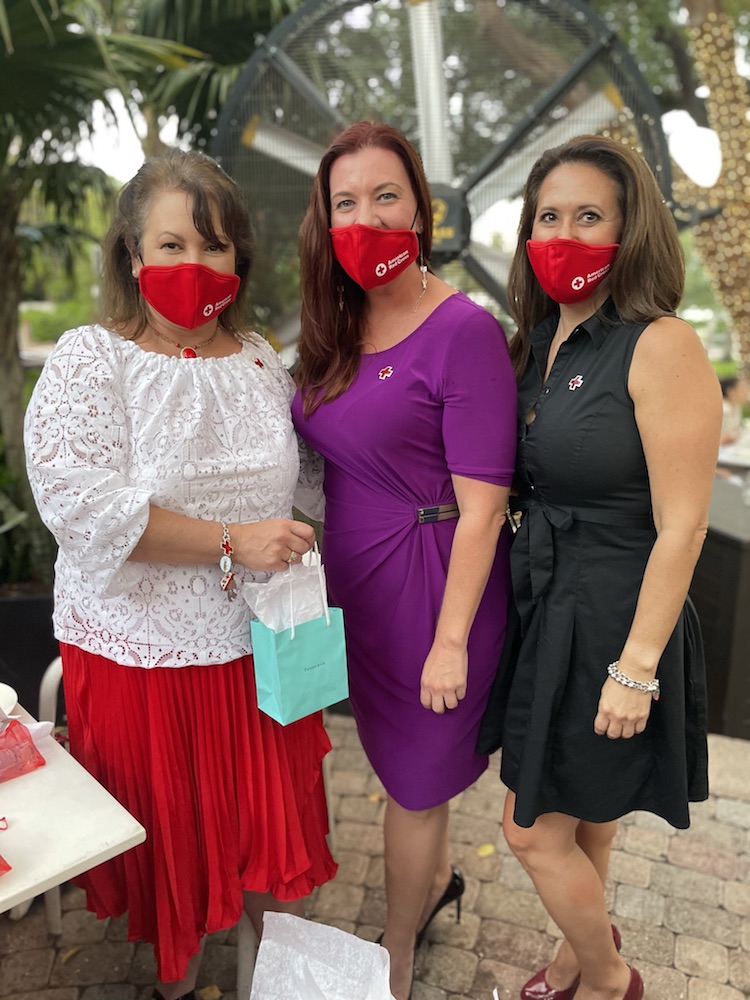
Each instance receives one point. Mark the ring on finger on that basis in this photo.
(294, 557)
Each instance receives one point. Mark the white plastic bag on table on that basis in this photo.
(301, 960)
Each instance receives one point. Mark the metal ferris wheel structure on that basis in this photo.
(480, 87)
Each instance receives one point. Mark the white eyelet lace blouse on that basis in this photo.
(111, 429)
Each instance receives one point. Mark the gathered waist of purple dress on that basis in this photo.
(405, 511)
(437, 512)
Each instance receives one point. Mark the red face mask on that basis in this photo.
(568, 270)
(188, 295)
(372, 256)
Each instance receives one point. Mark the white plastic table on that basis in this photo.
(61, 822)
(735, 456)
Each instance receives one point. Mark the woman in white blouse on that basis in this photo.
(163, 459)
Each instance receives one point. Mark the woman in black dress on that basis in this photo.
(602, 708)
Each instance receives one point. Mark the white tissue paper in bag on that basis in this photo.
(271, 602)
(301, 960)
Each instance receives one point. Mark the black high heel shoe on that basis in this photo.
(453, 892)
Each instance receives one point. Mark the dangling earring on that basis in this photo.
(423, 271)
(341, 298)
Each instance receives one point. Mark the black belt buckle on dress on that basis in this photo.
(440, 512)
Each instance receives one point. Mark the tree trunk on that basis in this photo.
(32, 533)
(724, 241)
(542, 65)
(151, 143)
(699, 11)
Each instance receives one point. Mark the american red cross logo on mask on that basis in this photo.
(575, 383)
(385, 373)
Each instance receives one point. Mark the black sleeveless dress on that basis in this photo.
(577, 562)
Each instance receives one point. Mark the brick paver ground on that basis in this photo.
(680, 898)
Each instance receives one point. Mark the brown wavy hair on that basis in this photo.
(332, 304)
(648, 274)
(210, 187)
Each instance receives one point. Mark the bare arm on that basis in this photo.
(482, 507)
(260, 545)
(678, 411)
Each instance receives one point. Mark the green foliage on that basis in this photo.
(31, 375)
(698, 289)
(14, 552)
(725, 369)
(53, 263)
(46, 326)
(219, 36)
(701, 308)
(59, 268)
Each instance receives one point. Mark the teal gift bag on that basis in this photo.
(301, 669)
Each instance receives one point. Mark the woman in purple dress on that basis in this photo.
(407, 391)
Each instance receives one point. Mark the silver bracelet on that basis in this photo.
(648, 687)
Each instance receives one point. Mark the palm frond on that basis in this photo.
(60, 240)
(67, 186)
(189, 20)
(5, 29)
(52, 75)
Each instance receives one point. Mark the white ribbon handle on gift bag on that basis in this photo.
(323, 596)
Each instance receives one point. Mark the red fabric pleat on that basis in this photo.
(230, 800)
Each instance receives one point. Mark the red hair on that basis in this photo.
(333, 304)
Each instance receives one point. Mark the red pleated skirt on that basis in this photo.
(230, 800)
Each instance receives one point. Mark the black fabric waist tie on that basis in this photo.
(532, 554)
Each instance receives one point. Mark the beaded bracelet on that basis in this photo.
(225, 564)
(647, 687)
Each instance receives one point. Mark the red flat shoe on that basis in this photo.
(635, 988)
(537, 988)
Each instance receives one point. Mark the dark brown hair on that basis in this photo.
(332, 304)
(209, 187)
(648, 275)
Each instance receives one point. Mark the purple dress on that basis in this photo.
(442, 401)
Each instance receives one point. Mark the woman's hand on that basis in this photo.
(272, 544)
(443, 682)
(259, 545)
(623, 712)
(445, 670)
